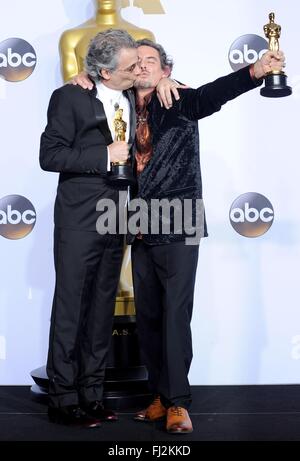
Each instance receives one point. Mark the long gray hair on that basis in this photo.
(104, 49)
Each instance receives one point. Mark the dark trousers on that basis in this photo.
(87, 269)
(164, 278)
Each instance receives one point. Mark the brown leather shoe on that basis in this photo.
(178, 421)
(154, 412)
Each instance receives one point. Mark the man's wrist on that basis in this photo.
(256, 80)
(251, 70)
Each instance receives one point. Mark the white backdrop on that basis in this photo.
(246, 323)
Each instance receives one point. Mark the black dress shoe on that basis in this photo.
(72, 415)
(96, 410)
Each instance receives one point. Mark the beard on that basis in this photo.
(140, 84)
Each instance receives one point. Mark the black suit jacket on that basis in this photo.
(174, 169)
(74, 144)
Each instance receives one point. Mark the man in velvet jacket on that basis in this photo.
(164, 265)
(78, 144)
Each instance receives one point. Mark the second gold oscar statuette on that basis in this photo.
(121, 172)
(276, 81)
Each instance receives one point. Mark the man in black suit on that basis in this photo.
(164, 264)
(78, 144)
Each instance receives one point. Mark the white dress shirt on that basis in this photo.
(109, 99)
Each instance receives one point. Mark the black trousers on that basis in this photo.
(87, 269)
(164, 279)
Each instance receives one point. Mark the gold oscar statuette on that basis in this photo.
(121, 172)
(275, 81)
(119, 125)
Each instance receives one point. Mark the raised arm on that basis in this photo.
(209, 98)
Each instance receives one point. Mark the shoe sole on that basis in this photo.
(179, 432)
(148, 420)
(62, 422)
(112, 419)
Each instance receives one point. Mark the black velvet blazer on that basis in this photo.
(174, 170)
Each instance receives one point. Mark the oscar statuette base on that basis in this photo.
(276, 86)
(126, 379)
(121, 175)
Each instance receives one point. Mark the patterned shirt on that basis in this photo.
(143, 135)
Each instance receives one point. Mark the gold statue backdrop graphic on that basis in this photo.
(73, 48)
(148, 6)
(74, 42)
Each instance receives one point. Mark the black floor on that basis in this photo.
(219, 413)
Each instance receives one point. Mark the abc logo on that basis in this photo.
(17, 217)
(251, 214)
(245, 50)
(17, 59)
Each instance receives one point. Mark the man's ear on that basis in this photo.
(105, 74)
(167, 71)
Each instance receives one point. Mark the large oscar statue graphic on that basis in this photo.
(74, 42)
(275, 81)
(126, 378)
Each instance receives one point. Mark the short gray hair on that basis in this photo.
(165, 60)
(104, 49)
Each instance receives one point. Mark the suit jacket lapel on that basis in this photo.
(130, 96)
(100, 116)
